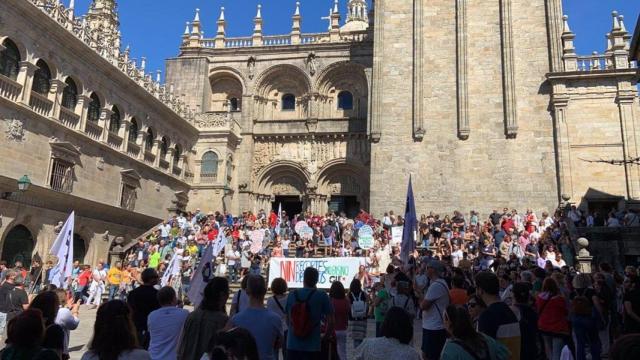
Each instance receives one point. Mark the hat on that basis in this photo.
(436, 265)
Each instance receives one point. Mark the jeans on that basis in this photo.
(285, 252)
(341, 344)
(113, 291)
(586, 334)
(233, 273)
(553, 346)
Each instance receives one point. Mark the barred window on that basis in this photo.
(133, 131)
(176, 154)
(70, 95)
(10, 60)
(114, 122)
(41, 78)
(235, 104)
(128, 197)
(95, 108)
(61, 176)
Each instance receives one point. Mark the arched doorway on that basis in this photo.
(346, 186)
(283, 183)
(18, 246)
(79, 248)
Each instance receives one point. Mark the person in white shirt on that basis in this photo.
(165, 325)
(67, 317)
(277, 303)
(97, 286)
(456, 255)
(165, 229)
(435, 303)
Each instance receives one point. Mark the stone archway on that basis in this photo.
(283, 182)
(343, 187)
(18, 245)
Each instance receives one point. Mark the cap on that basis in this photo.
(436, 265)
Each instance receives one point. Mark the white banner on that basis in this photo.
(342, 269)
(396, 235)
(63, 249)
(203, 274)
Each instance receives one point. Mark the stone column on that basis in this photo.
(124, 134)
(559, 104)
(25, 78)
(156, 152)
(181, 165)
(81, 108)
(103, 123)
(629, 137)
(55, 95)
(584, 258)
(378, 76)
(462, 69)
(172, 162)
(418, 72)
(554, 16)
(140, 143)
(508, 70)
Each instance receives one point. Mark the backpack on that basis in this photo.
(301, 321)
(358, 307)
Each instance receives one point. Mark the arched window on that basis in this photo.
(345, 100)
(164, 147)
(177, 152)
(10, 60)
(70, 94)
(133, 131)
(18, 246)
(115, 121)
(209, 166)
(41, 78)
(95, 108)
(234, 103)
(79, 248)
(148, 143)
(288, 102)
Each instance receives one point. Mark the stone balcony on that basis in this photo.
(219, 122)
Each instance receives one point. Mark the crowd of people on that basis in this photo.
(502, 287)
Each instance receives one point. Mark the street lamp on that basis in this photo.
(23, 185)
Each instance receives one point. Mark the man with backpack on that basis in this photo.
(306, 309)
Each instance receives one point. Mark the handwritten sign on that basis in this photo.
(365, 237)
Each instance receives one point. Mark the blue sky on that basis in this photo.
(153, 27)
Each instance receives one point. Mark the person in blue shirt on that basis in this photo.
(165, 325)
(262, 323)
(319, 306)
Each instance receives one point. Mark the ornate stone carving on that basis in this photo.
(213, 120)
(345, 185)
(100, 163)
(15, 130)
(312, 63)
(251, 67)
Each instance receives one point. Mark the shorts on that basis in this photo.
(433, 342)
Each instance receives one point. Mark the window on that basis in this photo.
(164, 147)
(288, 102)
(95, 108)
(209, 167)
(61, 176)
(148, 143)
(345, 100)
(10, 60)
(234, 103)
(176, 155)
(41, 78)
(133, 131)
(70, 95)
(115, 121)
(128, 197)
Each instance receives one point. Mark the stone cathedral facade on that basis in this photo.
(485, 104)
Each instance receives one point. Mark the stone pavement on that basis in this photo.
(81, 336)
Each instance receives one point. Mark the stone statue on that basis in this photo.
(15, 130)
(312, 63)
(58, 227)
(251, 67)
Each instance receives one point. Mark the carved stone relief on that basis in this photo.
(14, 130)
(212, 120)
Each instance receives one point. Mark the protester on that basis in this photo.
(433, 306)
(381, 303)
(498, 320)
(205, 321)
(236, 343)
(359, 308)
(306, 308)
(114, 279)
(47, 302)
(240, 300)
(97, 287)
(341, 310)
(276, 303)
(165, 325)
(67, 318)
(114, 335)
(262, 323)
(552, 319)
(8, 310)
(397, 332)
(25, 333)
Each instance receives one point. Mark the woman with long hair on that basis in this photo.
(341, 310)
(114, 335)
(552, 318)
(235, 343)
(358, 302)
(47, 302)
(205, 321)
(465, 343)
(25, 333)
(397, 332)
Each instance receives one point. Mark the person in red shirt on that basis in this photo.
(83, 284)
(552, 318)
(508, 223)
(273, 219)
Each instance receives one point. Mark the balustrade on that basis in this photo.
(208, 178)
(40, 104)
(93, 130)
(114, 141)
(238, 42)
(68, 118)
(133, 150)
(149, 157)
(9, 89)
(277, 40)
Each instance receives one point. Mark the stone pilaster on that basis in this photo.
(462, 69)
(559, 103)
(81, 108)
(554, 29)
(55, 95)
(103, 123)
(25, 78)
(156, 152)
(508, 70)
(124, 134)
(375, 130)
(626, 101)
(418, 71)
(172, 161)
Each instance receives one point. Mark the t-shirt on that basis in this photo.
(277, 305)
(6, 290)
(165, 327)
(154, 260)
(67, 322)
(240, 300)
(499, 322)
(114, 276)
(632, 297)
(458, 296)
(264, 325)
(143, 300)
(319, 307)
(438, 295)
(385, 296)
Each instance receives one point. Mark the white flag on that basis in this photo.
(201, 277)
(172, 269)
(63, 249)
(220, 242)
(278, 223)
